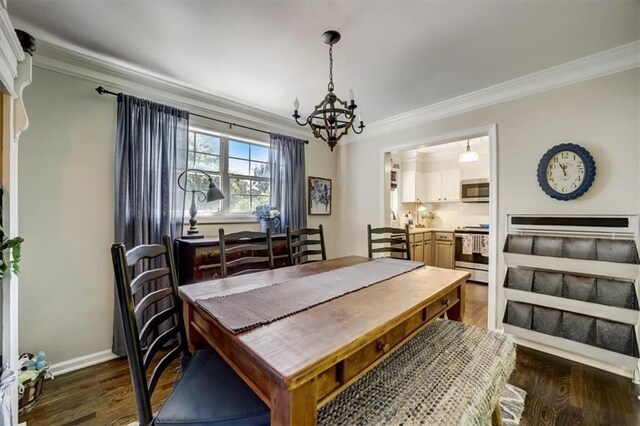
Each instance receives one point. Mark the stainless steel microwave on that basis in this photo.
(474, 191)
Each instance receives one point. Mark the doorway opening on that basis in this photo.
(445, 188)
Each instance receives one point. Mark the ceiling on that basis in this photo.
(397, 56)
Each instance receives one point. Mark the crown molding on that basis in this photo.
(119, 76)
(618, 59)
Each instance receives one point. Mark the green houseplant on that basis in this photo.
(428, 216)
(11, 253)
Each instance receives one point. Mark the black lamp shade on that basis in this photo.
(213, 193)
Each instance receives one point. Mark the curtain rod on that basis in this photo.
(102, 91)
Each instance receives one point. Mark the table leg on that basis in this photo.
(456, 312)
(194, 339)
(294, 407)
(496, 416)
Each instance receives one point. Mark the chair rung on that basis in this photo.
(246, 247)
(157, 344)
(388, 230)
(388, 249)
(155, 321)
(305, 231)
(162, 364)
(307, 253)
(147, 251)
(147, 276)
(151, 298)
(246, 261)
(388, 240)
(305, 243)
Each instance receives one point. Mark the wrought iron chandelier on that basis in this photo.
(332, 118)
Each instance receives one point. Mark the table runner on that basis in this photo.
(243, 311)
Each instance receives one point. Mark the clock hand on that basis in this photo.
(564, 168)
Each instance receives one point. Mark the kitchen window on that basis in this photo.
(239, 167)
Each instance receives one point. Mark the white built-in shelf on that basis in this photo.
(574, 290)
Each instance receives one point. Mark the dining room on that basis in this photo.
(217, 241)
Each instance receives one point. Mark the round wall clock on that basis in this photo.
(566, 171)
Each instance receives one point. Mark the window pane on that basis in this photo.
(240, 204)
(259, 153)
(192, 137)
(238, 149)
(258, 201)
(238, 167)
(207, 162)
(240, 186)
(260, 187)
(207, 143)
(260, 169)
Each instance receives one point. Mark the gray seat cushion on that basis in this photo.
(211, 393)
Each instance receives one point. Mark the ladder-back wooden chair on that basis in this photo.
(301, 245)
(209, 391)
(394, 240)
(245, 252)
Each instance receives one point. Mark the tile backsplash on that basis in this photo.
(451, 215)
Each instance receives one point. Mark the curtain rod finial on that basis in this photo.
(101, 90)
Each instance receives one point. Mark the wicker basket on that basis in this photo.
(32, 392)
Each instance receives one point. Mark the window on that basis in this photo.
(240, 168)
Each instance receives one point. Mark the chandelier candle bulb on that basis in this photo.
(351, 95)
(296, 104)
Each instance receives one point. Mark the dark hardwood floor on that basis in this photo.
(559, 392)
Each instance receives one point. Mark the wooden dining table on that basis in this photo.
(298, 363)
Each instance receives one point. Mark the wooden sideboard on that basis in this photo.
(199, 259)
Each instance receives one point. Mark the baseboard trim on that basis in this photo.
(82, 362)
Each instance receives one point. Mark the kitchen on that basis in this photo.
(442, 192)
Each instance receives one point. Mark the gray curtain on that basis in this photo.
(288, 185)
(151, 146)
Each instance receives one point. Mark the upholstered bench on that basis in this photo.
(448, 374)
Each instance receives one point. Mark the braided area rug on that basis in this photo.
(448, 374)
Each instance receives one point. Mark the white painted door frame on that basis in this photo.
(491, 131)
(15, 122)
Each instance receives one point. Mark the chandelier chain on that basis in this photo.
(331, 67)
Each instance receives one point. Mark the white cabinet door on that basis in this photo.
(450, 185)
(421, 186)
(408, 186)
(433, 187)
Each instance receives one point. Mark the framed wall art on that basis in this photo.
(319, 195)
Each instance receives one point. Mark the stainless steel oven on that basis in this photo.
(474, 263)
(474, 191)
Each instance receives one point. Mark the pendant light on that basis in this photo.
(468, 156)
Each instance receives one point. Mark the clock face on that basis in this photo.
(566, 171)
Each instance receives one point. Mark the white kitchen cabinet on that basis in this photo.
(442, 186)
(413, 186)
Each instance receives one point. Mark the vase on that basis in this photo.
(271, 223)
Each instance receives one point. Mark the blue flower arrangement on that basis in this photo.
(266, 211)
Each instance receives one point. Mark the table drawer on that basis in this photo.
(335, 378)
(443, 303)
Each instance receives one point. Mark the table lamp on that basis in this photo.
(213, 194)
